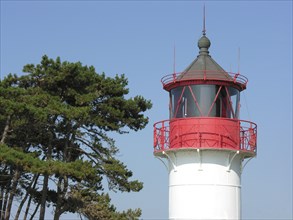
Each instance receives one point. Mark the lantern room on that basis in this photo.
(204, 89)
(204, 101)
(204, 108)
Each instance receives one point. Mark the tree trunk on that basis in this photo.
(5, 183)
(12, 193)
(46, 180)
(44, 197)
(35, 211)
(2, 213)
(61, 208)
(61, 191)
(59, 198)
(33, 183)
(27, 208)
(1, 201)
(5, 204)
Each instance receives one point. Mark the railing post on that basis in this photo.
(235, 77)
(252, 138)
(155, 138)
(174, 77)
(162, 132)
(220, 140)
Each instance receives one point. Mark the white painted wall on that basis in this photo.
(204, 184)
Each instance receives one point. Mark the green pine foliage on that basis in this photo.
(55, 148)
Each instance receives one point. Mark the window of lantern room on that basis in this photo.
(204, 101)
(235, 100)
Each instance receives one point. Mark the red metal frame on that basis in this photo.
(195, 100)
(230, 106)
(215, 99)
(230, 102)
(179, 100)
(205, 133)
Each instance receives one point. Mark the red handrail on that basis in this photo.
(204, 75)
(198, 137)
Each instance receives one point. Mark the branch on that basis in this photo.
(6, 130)
(88, 145)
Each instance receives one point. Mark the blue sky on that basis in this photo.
(137, 38)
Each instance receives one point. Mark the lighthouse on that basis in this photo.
(204, 144)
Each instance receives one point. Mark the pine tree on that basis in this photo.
(55, 123)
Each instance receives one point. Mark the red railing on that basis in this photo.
(218, 133)
(205, 75)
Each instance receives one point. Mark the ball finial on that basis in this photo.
(203, 44)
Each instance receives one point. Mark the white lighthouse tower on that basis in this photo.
(204, 144)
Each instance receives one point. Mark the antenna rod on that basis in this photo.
(174, 61)
(204, 20)
(238, 60)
